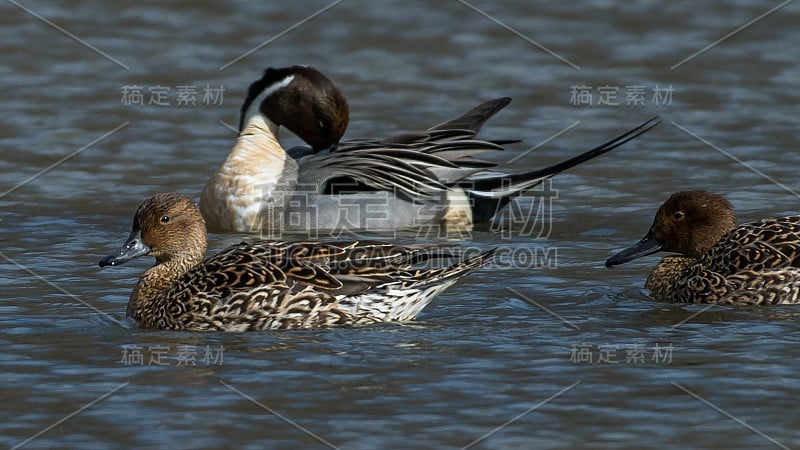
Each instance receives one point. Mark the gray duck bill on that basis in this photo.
(132, 248)
(647, 246)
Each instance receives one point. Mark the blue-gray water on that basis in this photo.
(513, 357)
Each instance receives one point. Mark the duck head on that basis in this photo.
(166, 227)
(688, 223)
(303, 100)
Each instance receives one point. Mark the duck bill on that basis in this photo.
(647, 246)
(133, 248)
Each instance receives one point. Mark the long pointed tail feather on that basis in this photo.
(502, 186)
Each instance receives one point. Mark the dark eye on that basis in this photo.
(322, 125)
(164, 219)
(679, 215)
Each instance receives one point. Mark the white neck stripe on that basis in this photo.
(253, 109)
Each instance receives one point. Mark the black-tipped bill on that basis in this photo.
(647, 246)
(133, 248)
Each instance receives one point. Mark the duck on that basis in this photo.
(406, 181)
(715, 260)
(265, 285)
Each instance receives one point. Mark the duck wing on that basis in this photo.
(413, 164)
(762, 245)
(463, 127)
(342, 268)
(249, 265)
(406, 172)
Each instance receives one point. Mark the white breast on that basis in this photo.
(247, 181)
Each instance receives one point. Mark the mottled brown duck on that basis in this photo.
(717, 260)
(261, 285)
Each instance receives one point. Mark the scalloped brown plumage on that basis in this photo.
(719, 262)
(273, 284)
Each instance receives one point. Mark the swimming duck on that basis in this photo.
(719, 261)
(407, 181)
(271, 284)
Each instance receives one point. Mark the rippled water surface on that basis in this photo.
(565, 356)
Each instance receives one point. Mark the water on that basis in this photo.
(501, 360)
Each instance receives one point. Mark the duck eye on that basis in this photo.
(679, 215)
(164, 219)
(322, 124)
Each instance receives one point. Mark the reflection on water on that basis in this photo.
(499, 348)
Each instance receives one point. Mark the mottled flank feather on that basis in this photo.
(273, 284)
(754, 263)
